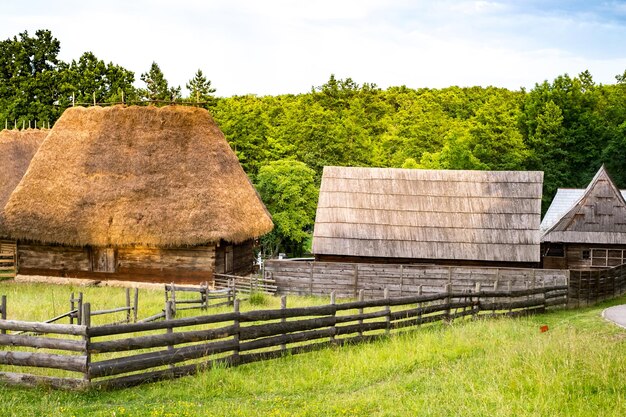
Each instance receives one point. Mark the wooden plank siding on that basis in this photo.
(186, 265)
(347, 279)
(8, 259)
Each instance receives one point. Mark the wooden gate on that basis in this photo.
(8, 259)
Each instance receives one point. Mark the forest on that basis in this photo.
(566, 127)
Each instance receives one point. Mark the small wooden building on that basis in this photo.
(136, 193)
(586, 228)
(17, 148)
(482, 218)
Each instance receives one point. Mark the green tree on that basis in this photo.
(288, 190)
(157, 87)
(29, 79)
(200, 90)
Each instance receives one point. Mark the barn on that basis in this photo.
(387, 215)
(17, 148)
(136, 193)
(586, 228)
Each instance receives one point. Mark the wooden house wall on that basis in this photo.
(180, 265)
(234, 259)
(573, 256)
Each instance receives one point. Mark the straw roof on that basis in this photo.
(134, 175)
(17, 148)
(598, 216)
(428, 214)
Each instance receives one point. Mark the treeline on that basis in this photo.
(567, 127)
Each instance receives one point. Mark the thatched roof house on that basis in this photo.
(452, 217)
(134, 191)
(586, 228)
(17, 148)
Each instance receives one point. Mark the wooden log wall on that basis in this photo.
(347, 279)
(589, 286)
(129, 354)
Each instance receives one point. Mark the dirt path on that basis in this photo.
(85, 282)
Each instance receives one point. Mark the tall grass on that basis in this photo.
(486, 367)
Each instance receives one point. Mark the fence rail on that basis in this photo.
(245, 284)
(127, 354)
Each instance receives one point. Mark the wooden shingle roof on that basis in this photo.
(429, 214)
(598, 216)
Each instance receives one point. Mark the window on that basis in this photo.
(603, 258)
(585, 254)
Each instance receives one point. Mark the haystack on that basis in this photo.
(129, 176)
(17, 148)
(412, 215)
(137, 192)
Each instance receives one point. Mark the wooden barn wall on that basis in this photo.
(347, 279)
(179, 265)
(242, 258)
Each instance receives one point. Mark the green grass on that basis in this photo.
(489, 367)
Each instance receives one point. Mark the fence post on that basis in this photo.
(173, 291)
(311, 279)
(3, 311)
(508, 286)
(72, 308)
(476, 307)
(80, 308)
(388, 311)
(332, 302)
(361, 298)
(283, 319)
(127, 305)
(86, 321)
(204, 296)
(169, 313)
(356, 279)
(401, 280)
(236, 335)
(447, 290)
(420, 305)
(136, 305)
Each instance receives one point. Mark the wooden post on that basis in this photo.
(236, 335)
(356, 279)
(94, 98)
(80, 308)
(3, 311)
(447, 289)
(509, 297)
(72, 308)
(476, 308)
(419, 305)
(135, 311)
(204, 295)
(311, 279)
(361, 298)
(86, 321)
(401, 280)
(388, 311)
(169, 314)
(332, 302)
(283, 319)
(173, 292)
(127, 305)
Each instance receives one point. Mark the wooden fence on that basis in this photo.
(591, 286)
(347, 279)
(8, 260)
(245, 284)
(128, 354)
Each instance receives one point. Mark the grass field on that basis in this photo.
(501, 367)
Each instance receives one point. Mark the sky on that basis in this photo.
(270, 47)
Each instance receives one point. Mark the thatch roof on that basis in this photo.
(425, 214)
(17, 148)
(136, 176)
(598, 216)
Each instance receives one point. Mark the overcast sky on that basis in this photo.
(279, 46)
